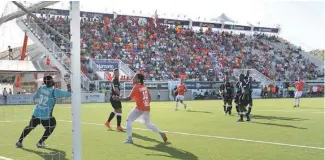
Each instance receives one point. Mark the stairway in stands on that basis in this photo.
(255, 74)
(57, 56)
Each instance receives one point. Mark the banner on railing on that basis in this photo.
(20, 99)
(129, 85)
(107, 66)
(150, 85)
(92, 97)
(170, 85)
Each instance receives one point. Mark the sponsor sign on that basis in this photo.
(106, 66)
(92, 97)
(20, 99)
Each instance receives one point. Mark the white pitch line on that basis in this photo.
(290, 111)
(209, 108)
(218, 137)
(5, 158)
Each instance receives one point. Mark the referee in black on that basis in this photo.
(117, 105)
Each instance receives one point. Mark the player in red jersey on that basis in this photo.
(299, 88)
(181, 89)
(140, 93)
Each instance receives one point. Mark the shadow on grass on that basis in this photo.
(165, 148)
(279, 125)
(54, 154)
(199, 111)
(277, 118)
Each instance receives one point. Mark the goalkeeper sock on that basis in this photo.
(111, 116)
(48, 131)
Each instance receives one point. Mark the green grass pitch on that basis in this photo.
(277, 132)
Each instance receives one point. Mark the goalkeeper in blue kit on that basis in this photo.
(46, 96)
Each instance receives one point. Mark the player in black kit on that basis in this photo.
(244, 97)
(117, 105)
(238, 93)
(250, 100)
(227, 91)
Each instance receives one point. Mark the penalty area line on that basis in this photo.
(217, 137)
(5, 158)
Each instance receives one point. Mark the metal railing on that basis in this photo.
(51, 46)
(85, 81)
(255, 75)
(126, 69)
(48, 43)
(97, 69)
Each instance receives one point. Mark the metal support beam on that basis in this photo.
(41, 21)
(32, 8)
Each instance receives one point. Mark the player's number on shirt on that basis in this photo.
(43, 100)
(145, 97)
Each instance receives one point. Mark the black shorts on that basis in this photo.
(115, 104)
(227, 100)
(34, 122)
(243, 101)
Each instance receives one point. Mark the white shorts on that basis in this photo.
(298, 94)
(139, 116)
(180, 97)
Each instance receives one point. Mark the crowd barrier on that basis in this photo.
(25, 99)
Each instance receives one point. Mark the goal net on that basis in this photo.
(17, 88)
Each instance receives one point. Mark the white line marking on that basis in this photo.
(202, 135)
(5, 158)
(209, 108)
(217, 137)
(290, 111)
(16, 121)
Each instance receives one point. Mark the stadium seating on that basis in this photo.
(167, 52)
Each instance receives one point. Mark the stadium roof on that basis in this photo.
(16, 67)
(223, 18)
(20, 13)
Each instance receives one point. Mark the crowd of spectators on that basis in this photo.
(164, 52)
(318, 53)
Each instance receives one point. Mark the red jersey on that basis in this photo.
(140, 94)
(181, 89)
(299, 85)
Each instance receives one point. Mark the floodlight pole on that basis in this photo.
(76, 81)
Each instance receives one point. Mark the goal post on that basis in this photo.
(76, 81)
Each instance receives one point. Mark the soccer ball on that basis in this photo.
(142, 21)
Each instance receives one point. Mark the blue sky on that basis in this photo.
(302, 22)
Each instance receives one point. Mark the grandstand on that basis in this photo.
(170, 48)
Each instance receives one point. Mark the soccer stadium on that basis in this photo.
(161, 80)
